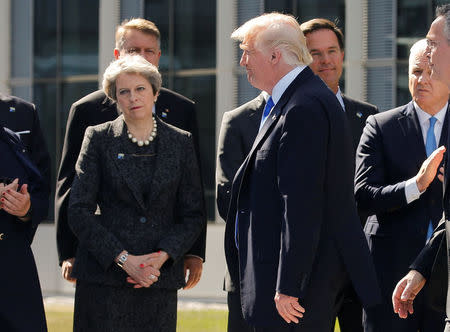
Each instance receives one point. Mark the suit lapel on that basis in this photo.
(254, 117)
(122, 160)
(165, 159)
(354, 119)
(410, 127)
(445, 140)
(271, 121)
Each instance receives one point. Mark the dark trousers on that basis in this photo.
(383, 319)
(325, 294)
(350, 313)
(236, 322)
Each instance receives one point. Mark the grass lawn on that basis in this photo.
(60, 318)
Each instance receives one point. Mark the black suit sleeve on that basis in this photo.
(39, 151)
(76, 126)
(435, 247)
(199, 246)
(373, 195)
(41, 158)
(230, 154)
(183, 115)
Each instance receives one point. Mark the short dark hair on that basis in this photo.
(322, 23)
(444, 11)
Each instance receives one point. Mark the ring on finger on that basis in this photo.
(152, 277)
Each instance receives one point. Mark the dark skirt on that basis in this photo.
(21, 305)
(115, 309)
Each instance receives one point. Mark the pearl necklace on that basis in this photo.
(147, 141)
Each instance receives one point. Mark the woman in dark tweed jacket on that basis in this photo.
(136, 208)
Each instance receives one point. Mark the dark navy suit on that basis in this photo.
(299, 232)
(21, 306)
(392, 151)
(237, 133)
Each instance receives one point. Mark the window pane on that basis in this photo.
(195, 34)
(45, 31)
(157, 11)
(79, 37)
(45, 101)
(71, 92)
(202, 91)
(282, 6)
(403, 94)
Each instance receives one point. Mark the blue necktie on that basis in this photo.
(267, 108)
(430, 146)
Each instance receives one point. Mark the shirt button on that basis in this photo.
(143, 220)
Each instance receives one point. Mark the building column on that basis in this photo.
(355, 48)
(225, 63)
(109, 12)
(5, 40)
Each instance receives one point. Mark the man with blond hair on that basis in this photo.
(136, 36)
(292, 212)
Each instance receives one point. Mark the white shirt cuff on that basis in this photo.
(411, 191)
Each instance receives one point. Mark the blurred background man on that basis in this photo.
(325, 42)
(394, 185)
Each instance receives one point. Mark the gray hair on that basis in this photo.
(279, 31)
(130, 64)
(444, 11)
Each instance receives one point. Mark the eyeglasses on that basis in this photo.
(432, 44)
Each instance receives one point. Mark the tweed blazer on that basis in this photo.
(170, 220)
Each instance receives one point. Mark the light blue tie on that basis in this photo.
(267, 108)
(430, 146)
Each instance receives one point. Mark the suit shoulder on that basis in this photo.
(92, 99)
(17, 102)
(249, 107)
(166, 95)
(172, 129)
(362, 105)
(387, 117)
(100, 128)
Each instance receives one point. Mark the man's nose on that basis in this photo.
(243, 60)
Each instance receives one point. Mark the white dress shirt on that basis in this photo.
(339, 97)
(411, 191)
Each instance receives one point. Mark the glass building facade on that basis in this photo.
(55, 54)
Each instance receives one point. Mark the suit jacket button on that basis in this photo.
(143, 220)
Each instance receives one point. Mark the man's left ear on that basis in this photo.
(275, 57)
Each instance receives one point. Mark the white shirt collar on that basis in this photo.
(339, 97)
(284, 82)
(424, 116)
(265, 95)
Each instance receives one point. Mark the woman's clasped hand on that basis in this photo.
(144, 270)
